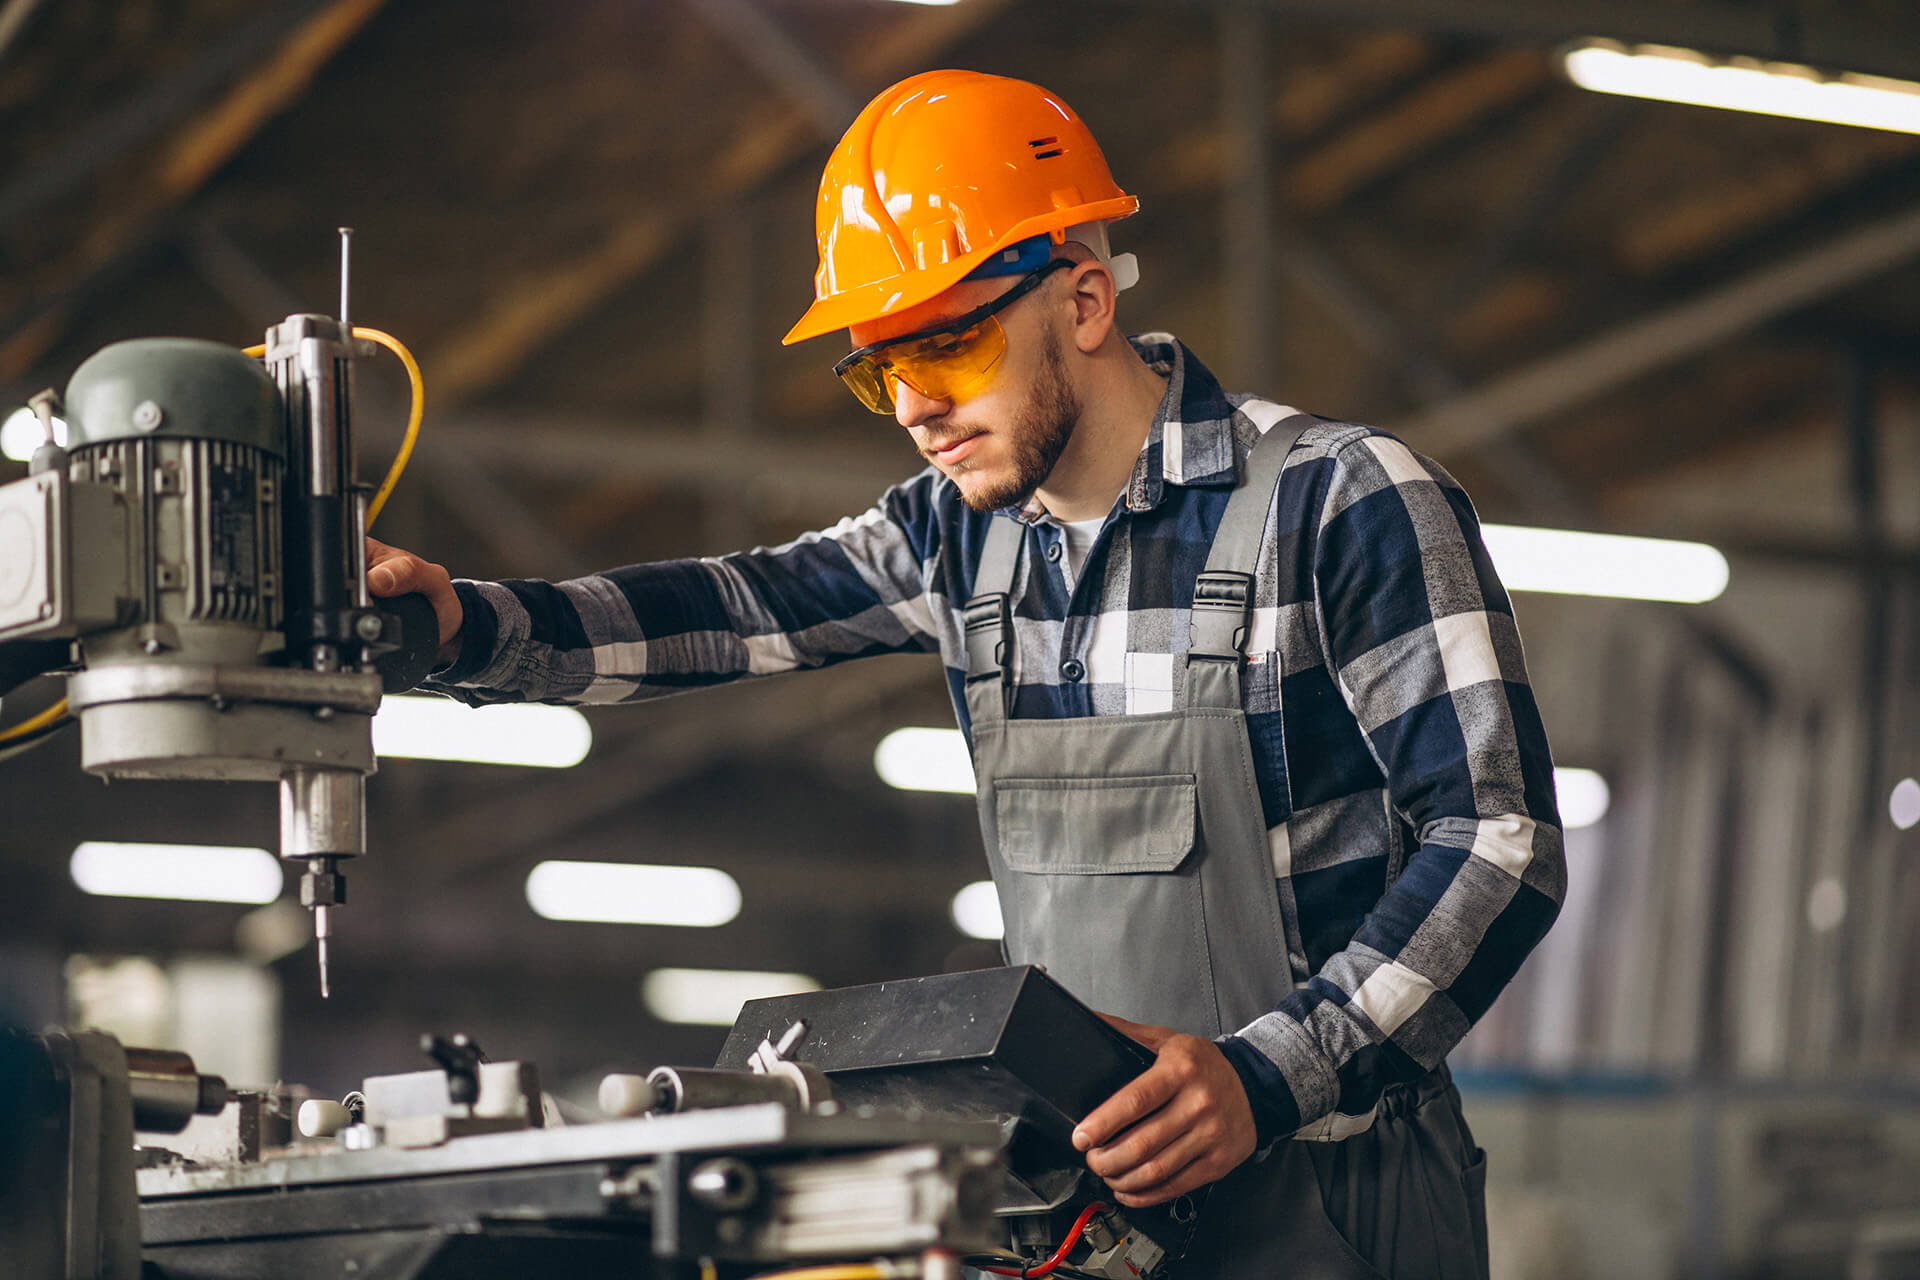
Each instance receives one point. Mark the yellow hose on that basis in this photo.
(845, 1271)
(419, 388)
(35, 722)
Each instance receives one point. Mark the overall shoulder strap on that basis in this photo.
(988, 621)
(1223, 594)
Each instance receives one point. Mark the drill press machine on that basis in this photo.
(197, 551)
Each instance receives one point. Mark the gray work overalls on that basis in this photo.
(1130, 854)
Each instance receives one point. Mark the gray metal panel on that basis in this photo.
(50, 583)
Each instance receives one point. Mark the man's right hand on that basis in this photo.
(393, 572)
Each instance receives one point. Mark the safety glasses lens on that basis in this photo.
(944, 366)
(868, 382)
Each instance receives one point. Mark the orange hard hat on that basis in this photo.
(936, 176)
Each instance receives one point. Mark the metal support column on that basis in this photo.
(1867, 1022)
(1246, 252)
(729, 391)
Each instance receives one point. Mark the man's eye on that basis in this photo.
(941, 345)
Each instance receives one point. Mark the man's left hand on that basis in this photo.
(1180, 1124)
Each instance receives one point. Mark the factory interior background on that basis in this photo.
(592, 221)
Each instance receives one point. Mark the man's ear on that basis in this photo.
(1092, 291)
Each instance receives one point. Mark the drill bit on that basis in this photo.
(322, 931)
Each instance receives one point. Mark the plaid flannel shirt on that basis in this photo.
(1405, 777)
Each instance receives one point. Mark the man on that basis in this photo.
(1259, 767)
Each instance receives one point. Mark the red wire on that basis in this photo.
(1059, 1255)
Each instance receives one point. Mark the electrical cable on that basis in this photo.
(419, 389)
(26, 742)
(33, 723)
(840, 1271)
(1052, 1264)
(415, 383)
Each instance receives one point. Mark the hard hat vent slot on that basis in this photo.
(1053, 143)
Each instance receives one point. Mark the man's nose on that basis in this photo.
(911, 409)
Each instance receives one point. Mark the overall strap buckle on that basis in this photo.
(1221, 608)
(989, 626)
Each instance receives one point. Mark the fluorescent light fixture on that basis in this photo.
(1904, 804)
(630, 893)
(1826, 904)
(272, 932)
(713, 997)
(21, 434)
(426, 728)
(1603, 564)
(1745, 84)
(930, 2)
(1584, 797)
(976, 910)
(190, 872)
(925, 760)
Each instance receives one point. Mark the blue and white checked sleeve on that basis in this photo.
(851, 591)
(1420, 635)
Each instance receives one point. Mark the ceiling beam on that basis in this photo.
(792, 67)
(1513, 402)
(195, 154)
(1401, 131)
(520, 324)
(1246, 128)
(76, 161)
(1721, 209)
(13, 20)
(681, 454)
(1832, 39)
(1310, 98)
(1538, 484)
(1601, 124)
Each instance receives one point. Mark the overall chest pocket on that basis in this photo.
(1099, 882)
(1095, 826)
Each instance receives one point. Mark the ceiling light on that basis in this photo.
(713, 997)
(1826, 904)
(1584, 797)
(925, 760)
(428, 728)
(193, 872)
(1904, 804)
(1745, 84)
(22, 433)
(272, 932)
(1603, 564)
(976, 910)
(629, 893)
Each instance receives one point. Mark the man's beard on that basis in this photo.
(1037, 437)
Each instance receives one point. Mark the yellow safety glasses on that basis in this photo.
(954, 361)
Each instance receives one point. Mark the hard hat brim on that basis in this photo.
(895, 294)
